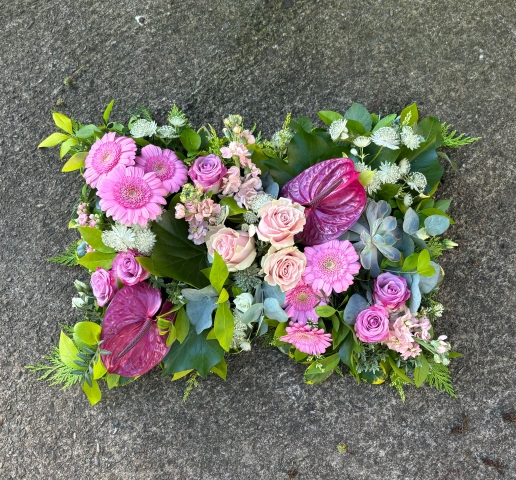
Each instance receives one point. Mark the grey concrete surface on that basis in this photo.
(260, 58)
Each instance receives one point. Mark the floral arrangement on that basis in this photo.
(323, 241)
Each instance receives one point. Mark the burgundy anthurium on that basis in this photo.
(130, 331)
(332, 196)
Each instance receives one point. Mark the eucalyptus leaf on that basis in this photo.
(194, 295)
(356, 304)
(200, 313)
(270, 291)
(428, 283)
(253, 313)
(436, 225)
(411, 222)
(415, 294)
(273, 310)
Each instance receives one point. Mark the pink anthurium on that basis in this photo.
(130, 331)
(332, 196)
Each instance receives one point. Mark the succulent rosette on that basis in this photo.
(324, 240)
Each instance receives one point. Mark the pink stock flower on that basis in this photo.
(372, 324)
(231, 181)
(280, 221)
(390, 291)
(207, 172)
(401, 338)
(105, 154)
(197, 231)
(127, 269)
(248, 191)
(283, 267)
(300, 303)
(180, 210)
(307, 339)
(130, 195)
(166, 165)
(83, 219)
(235, 247)
(331, 266)
(207, 208)
(238, 150)
(104, 285)
(248, 137)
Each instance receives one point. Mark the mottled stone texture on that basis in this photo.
(261, 59)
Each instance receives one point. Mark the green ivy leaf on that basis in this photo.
(175, 256)
(191, 140)
(219, 272)
(224, 325)
(68, 352)
(328, 116)
(75, 162)
(53, 140)
(148, 264)
(87, 332)
(93, 237)
(93, 393)
(221, 369)
(92, 260)
(62, 122)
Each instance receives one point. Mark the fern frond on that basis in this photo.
(57, 373)
(439, 378)
(452, 140)
(68, 258)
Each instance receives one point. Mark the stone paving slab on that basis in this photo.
(261, 59)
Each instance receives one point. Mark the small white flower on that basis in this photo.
(390, 172)
(177, 121)
(144, 240)
(281, 138)
(410, 139)
(404, 166)
(338, 130)
(361, 167)
(407, 200)
(417, 181)
(143, 128)
(166, 131)
(386, 137)
(120, 237)
(353, 151)
(243, 302)
(362, 142)
(375, 184)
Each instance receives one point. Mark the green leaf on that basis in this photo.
(410, 112)
(325, 311)
(423, 260)
(427, 271)
(384, 122)
(328, 116)
(66, 146)
(191, 140)
(223, 297)
(107, 111)
(346, 352)
(219, 272)
(305, 149)
(99, 370)
(75, 162)
(68, 352)
(53, 140)
(224, 325)
(454, 355)
(93, 237)
(221, 369)
(182, 325)
(355, 127)
(148, 264)
(92, 260)
(175, 256)
(301, 122)
(366, 177)
(443, 205)
(179, 375)
(321, 369)
(377, 155)
(420, 373)
(87, 131)
(399, 372)
(359, 113)
(62, 122)
(234, 209)
(195, 353)
(87, 332)
(93, 393)
(112, 380)
(172, 335)
(410, 263)
(387, 191)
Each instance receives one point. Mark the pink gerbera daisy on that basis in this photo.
(105, 154)
(331, 266)
(300, 303)
(166, 165)
(307, 339)
(130, 195)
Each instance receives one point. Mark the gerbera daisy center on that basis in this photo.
(107, 157)
(133, 192)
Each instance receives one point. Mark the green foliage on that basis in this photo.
(191, 383)
(215, 143)
(398, 383)
(370, 357)
(57, 373)
(439, 378)
(452, 140)
(67, 258)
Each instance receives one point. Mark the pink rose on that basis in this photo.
(207, 172)
(127, 269)
(104, 285)
(390, 291)
(180, 210)
(248, 191)
(235, 247)
(372, 324)
(231, 181)
(280, 221)
(283, 267)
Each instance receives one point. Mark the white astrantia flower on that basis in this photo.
(404, 166)
(144, 239)
(281, 138)
(375, 183)
(386, 137)
(361, 167)
(361, 141)
(166, 131)
(177, 121)
(390, 172)
(338, 130)
(407, 200)
(417, 181)
(143, 128)
(410, 139)
(120, 237)
(240, 340)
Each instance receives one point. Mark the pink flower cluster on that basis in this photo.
(85, 219)
(200, 215)
(403, 328)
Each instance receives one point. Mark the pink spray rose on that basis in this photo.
(280, 221)
(235, 247)
(127, 269)
(284, 267)
(231, 181)
(372, 324)
(390, 291)
(207, 172)
(248, 191)
(104, 285)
